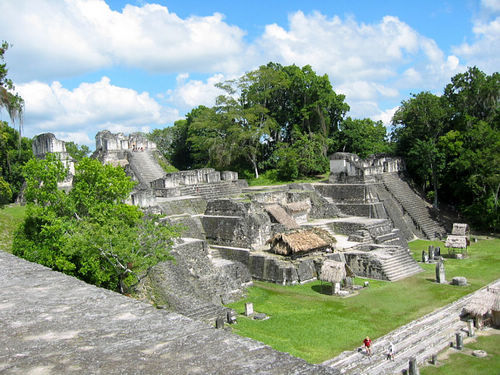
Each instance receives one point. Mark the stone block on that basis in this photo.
(459, 280)
(248, 308)
(229, 176)
(306, 270)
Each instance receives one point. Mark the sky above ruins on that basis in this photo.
(87, 65)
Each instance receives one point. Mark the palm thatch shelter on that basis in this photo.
(301, 242)
(460, 229)
(459, 238)
(335, 272)
(485, 307)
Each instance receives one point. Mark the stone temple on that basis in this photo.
(366, 205)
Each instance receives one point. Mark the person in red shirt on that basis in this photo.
(368, 345)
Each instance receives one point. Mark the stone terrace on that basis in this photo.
(51, 323)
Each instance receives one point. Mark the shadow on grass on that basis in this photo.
(325, 289)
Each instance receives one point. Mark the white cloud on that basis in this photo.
(92, 106)
(385, 116)
(493, 5)
(366, 62)
(484, 51)
(65, 38)
(191, 93)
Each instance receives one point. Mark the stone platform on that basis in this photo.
(51, 323)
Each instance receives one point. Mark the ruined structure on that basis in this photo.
(48, 143)
(376, 188)
(366, 206)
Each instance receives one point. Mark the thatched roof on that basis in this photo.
(295, 207)
(460, 229)
(281, 216)
(482, 303)
(332, 271)
(456, 242)
(301, 241)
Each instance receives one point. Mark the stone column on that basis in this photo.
(413, 369)
(219, 323)
(248, 308)
(470, 326)
(434, 359)
(431, 252)
(425, 258)
(335, 288)
(460, 341)
(437, 252)
(440, 274)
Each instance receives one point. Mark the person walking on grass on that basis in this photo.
(368, 346)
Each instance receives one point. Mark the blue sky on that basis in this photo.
(87, 65)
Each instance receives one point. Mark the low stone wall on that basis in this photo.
(343, 192)
(370, 210)
(107, 141)
(193, 177)
(349, 168)
(365, 264)
(275, 268)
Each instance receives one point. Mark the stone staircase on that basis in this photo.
(199, 310)
(145, 167)
(421, 339)
(212, 191)
(400, 265)
(414, 206)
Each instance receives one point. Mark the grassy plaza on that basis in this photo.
(315, 326)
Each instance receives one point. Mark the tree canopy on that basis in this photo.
(14, 152)
(263, 120)
(452, 144)
(89, 232)
(9, 100)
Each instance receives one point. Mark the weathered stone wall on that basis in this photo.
(275, 268)
(365, 264)
(349, 168)
(107, 141)
(239, 224)
(193, 177)
(371, 210)
(192, 280)
(52, 323)
(48, 143)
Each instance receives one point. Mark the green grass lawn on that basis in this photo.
(464, 363)
(315, 326)
(10, 217)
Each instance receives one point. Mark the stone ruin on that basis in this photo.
(48, 143)
(366, 205)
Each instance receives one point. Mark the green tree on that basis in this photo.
(12, 157)
(76, 151)
(269, 108)
(10, 101)
(5, 192)
(362, 137)
(301, 159)
(420, 121)
(89, 232)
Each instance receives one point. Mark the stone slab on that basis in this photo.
(51, 323)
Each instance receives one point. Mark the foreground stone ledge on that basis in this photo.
(51, 323)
